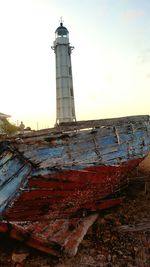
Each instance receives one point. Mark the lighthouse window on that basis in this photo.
(69, 70)
(71, 91)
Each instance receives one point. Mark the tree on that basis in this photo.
(8, 128)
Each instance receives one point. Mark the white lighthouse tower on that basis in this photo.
(65, 107)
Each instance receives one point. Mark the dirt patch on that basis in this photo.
(115, 239)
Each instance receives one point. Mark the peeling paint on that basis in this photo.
(51, 178)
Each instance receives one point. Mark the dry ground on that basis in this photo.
(110, 242)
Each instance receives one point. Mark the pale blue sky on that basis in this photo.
(111, 59)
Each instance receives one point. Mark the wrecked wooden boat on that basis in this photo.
(50, 178)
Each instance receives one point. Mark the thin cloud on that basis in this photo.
(144, 57)
(148, 75)
(132, 14)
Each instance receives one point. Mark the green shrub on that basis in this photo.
(8, 128)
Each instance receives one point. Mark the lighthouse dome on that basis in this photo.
(61, 31)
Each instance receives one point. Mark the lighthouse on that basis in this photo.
(65, 107)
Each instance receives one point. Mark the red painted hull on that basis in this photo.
(41, 216)
(64, 193)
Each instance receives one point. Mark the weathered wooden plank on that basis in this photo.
(93, 174)
(106, 122)
(51, 237)
(89, 124)
(54, 134)
(22, 211)
(10, 189)
(17, 232)
(74, 239)
(9, 169)
(4, 157)
(88, 148)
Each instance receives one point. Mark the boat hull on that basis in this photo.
(49, 180)
(63, 194)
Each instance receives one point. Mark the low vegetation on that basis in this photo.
(8, 128)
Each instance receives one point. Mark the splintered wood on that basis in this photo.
(54, 237)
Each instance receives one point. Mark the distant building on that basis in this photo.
(3, 118)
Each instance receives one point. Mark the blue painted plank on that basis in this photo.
(9, 190)
(5, 156)
(106, 141)
(9, 169)
(39, 155)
